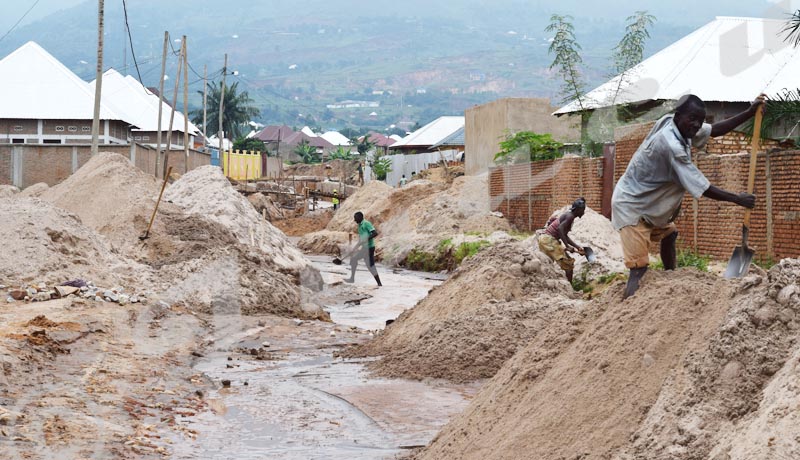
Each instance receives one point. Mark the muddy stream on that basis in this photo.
(289, 398)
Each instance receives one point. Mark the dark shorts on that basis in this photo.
(371, 257)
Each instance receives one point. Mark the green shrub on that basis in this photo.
(469, 249)
(686, 258)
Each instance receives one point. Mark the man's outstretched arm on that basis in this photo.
(725, 126)
(742, 199)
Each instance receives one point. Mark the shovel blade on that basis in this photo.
(740, 262)
(589, 253)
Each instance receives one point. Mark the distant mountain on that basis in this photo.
(416, 59)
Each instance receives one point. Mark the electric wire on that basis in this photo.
(20, 20)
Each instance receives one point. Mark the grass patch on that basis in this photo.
(765, 262)
(686, 258)
(446, 256)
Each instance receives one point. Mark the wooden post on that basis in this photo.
(98, 84)
(205, 99)
(172, 111)
(185, 104)
(161, 101)
(770, 229)
(221, 109)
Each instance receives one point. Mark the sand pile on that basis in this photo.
(421, 215)
(263, 203)
(205, 191)
(8, 190)
(594, 230)
(35, 190)
(42, 243)
(678, 371)
(315, 221)
(466, 328)
(113, 197)
(208, 256)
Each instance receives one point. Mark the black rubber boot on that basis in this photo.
(378, 279)
(633, 281)
(669, 253)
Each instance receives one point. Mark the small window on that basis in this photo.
(147, 138)
(73, 129)
(59, 129)
(51, 141)
(87, 129)
(17, 141)
(18, 129)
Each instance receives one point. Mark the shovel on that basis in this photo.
(589, 254)
(155, 210)
(743, 255)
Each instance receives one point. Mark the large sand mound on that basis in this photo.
(42, 243)
(676, 372)
(113, 197)
(207, 192)
(209, 250)
(420, 215)
(470, 325)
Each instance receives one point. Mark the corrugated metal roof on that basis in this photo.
(730, 59)
(455, 139)
(35, 85)
(336, 138)
(431, 133)
(137, 105)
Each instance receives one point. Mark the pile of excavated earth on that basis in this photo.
(208, 247)
(692, 367)
(418, 216)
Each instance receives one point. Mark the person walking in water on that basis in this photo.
(364, 249)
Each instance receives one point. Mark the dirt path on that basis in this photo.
(293, 400)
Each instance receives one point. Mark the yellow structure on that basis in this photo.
(241, 165)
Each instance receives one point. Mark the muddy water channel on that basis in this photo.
(290, 398)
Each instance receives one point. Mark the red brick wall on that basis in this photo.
(717, 229)
(528, 193)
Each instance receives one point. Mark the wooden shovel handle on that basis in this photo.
(751, 179)
(155, 210)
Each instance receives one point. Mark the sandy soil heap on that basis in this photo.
(679, 371)
(496, 302)
(209, 250)
(420, 215)
(206, 191)
(8, 190)
(42, 243)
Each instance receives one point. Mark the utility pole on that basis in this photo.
(205, 100)
(172, 112)
(185, 105)
(221, 107)
(98, 84)
(161, 101)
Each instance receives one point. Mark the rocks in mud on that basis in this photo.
(42, 292)
(226, 383)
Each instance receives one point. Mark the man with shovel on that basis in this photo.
(647, 198)
(556, 232)
(364, 249)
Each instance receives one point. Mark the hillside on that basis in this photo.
(418, 62)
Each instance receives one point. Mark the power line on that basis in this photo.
(130, 39)
(20, 20)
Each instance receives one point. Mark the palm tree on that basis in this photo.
(307, 152)
(238, 110)
(792, 29)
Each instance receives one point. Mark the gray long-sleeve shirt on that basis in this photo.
(657, 177)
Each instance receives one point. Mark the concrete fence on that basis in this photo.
(26, 164)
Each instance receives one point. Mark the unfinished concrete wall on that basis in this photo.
(486, 125)
(24, 165)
